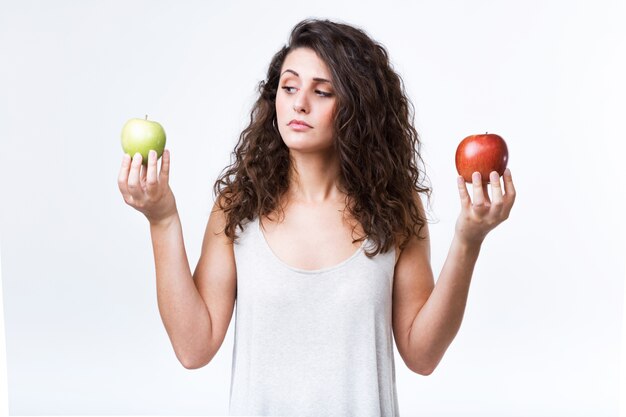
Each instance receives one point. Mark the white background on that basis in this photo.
(541, 333)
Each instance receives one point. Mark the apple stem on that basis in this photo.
(146, 117)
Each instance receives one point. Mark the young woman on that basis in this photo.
(319, 235)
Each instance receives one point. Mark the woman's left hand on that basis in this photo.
(482, 214)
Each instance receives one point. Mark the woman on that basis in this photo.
(318, 232)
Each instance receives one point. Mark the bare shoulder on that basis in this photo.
(415, 243)
(217, 248)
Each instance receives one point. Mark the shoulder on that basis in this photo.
(398, 250)
(420, 241)
(217, 253)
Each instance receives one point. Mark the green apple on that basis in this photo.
(139, 135)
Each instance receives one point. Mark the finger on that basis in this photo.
(463, 194)
(142, 175)
(509, 188)
(151, 177)
(509, 192)
(496, 188)
(478, 191)
(122, 177)
(486, 192)
(164, 175)
(134, 183)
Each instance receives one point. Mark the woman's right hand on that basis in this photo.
(146, 191)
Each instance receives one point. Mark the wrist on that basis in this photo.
(468, 245)
(163, 222)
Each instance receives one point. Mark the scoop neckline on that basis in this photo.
(301, 270)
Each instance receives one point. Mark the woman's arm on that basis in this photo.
(196, 310)
(426, 316)
(195, 330)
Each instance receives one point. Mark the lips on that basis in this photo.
(298, 123)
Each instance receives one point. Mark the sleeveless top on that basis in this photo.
(312, 342)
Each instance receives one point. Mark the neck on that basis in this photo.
(314, 179)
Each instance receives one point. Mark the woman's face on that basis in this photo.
(305, 102)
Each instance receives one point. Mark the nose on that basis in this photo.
(300, 103)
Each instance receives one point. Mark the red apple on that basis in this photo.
(482, 153)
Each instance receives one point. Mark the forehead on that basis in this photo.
(306, 63)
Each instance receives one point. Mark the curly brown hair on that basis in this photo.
(381, 168)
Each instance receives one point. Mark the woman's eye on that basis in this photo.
(323, 93)
(290, 90)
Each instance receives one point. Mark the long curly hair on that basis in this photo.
(381, 170)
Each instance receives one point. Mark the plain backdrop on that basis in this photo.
(541, 334)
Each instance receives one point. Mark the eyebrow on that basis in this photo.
(317, 79)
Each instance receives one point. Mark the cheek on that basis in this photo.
(281, 115)
(329, 116)
(283, 109)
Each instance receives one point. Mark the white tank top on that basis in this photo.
(312, 343)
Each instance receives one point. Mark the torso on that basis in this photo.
(313, 237)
